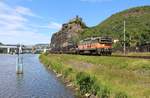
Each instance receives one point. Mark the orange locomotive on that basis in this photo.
(96, 45)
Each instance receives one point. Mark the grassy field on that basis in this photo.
(102, 76)
(134, 54)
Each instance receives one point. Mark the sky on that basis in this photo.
(34, 21)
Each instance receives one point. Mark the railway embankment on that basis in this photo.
(102, 76)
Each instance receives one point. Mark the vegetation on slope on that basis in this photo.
(137, 26)
(106, 77)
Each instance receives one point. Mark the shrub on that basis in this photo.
(104, 92)
(121, 95)
(46, 53)
(85, 82)
(95, 88)
(89, 84)
(67, 71)
(57, 66)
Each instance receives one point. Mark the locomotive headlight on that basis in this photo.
(103, 44)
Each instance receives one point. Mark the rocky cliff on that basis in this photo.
(68, 35)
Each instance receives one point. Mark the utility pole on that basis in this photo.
(124, 48)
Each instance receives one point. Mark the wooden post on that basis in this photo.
(124, 48)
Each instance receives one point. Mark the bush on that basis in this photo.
(67, 71)
(57, 66)
(46, 53)
(89, 84)
(95, 88)
(121, 95)
(104, 92)
(85, 82)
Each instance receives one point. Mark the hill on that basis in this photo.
(137, 26)
(68, 35)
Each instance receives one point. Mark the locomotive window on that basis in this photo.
(95, 41)
(106, 40)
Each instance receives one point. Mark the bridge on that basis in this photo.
(8, 49)
(12, 49)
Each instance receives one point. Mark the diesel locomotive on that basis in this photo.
(95, 45)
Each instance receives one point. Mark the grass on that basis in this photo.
(108, 77)
(134, 54)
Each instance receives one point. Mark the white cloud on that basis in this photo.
(54, 25)
(50, 25)
(15, 26)
(25, 11)
(24, 37)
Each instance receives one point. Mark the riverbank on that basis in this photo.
(101, 76)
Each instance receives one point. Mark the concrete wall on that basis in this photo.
(3, 50)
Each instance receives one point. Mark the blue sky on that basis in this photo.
(34, 21)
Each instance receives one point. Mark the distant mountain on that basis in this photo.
(1, 43)
(137, 26)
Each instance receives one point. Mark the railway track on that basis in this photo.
(140, 57)
(136, 57)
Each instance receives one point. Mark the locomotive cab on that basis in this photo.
(105, 46)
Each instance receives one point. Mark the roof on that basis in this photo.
(8, 46)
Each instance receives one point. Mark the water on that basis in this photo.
(36, 82)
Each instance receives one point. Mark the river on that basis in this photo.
(36, 82)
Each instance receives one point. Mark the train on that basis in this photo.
(96, 45)
(91, 46)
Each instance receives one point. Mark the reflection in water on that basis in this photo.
(36, 82)
(19, 80)
(19, 64)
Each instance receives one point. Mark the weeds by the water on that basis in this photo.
(106, 77)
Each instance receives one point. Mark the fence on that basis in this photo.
(142, 48)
